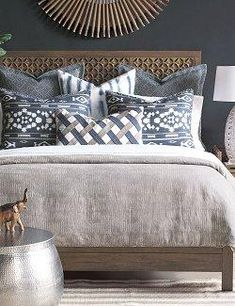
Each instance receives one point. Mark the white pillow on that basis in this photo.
(196, 118)
(196, 122)
(70, 84)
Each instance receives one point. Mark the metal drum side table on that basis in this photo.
(31, 273)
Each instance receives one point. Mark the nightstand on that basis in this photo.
(221, 155)
(231, 169)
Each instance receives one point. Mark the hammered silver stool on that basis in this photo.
(31, 273)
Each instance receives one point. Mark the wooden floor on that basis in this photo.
(151, 259)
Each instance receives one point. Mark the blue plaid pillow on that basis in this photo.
(123, 128)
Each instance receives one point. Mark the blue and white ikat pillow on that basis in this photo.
(70, 84)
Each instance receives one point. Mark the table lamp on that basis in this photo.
(224, 91)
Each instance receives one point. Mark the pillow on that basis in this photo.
(196, 122)
(30, 122)
(166, 121)
(44, 86)
(146, 82)
(124, 83)
(196, 118)
(123, 128)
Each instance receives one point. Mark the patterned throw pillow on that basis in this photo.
(149, 84)
(123, 128)
(124, 83)
(166, 121)
(30, 122)
(44, 86)
(196, 118)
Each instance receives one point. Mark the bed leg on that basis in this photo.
(227, 269)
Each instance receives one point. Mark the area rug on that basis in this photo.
(134, 292)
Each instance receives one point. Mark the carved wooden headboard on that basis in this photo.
(101, 65)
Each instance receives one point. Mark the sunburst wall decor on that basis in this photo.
(103, 18)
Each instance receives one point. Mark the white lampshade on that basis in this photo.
(224, 90)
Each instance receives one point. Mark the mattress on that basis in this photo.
(123, 196)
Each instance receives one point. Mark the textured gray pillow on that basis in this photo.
(149, 84)
(44, 86)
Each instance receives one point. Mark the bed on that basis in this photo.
(115, 208)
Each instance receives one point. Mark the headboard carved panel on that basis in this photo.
(101, 65)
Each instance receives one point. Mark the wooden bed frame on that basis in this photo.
(202, 259)
(101, 66)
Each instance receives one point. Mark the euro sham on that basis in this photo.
(44, 86)
(150, 85)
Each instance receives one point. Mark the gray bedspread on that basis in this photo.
(99, 196)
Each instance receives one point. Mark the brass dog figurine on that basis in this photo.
(10, 214)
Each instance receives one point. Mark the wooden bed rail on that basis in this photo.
(151, 259)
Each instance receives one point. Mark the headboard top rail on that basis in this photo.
(102, 65)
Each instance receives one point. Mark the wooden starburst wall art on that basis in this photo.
(103, 18)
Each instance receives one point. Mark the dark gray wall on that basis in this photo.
(206, 25)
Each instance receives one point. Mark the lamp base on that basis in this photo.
(230, 136)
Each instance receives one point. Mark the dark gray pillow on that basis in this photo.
(147, 84)
(44, 86)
